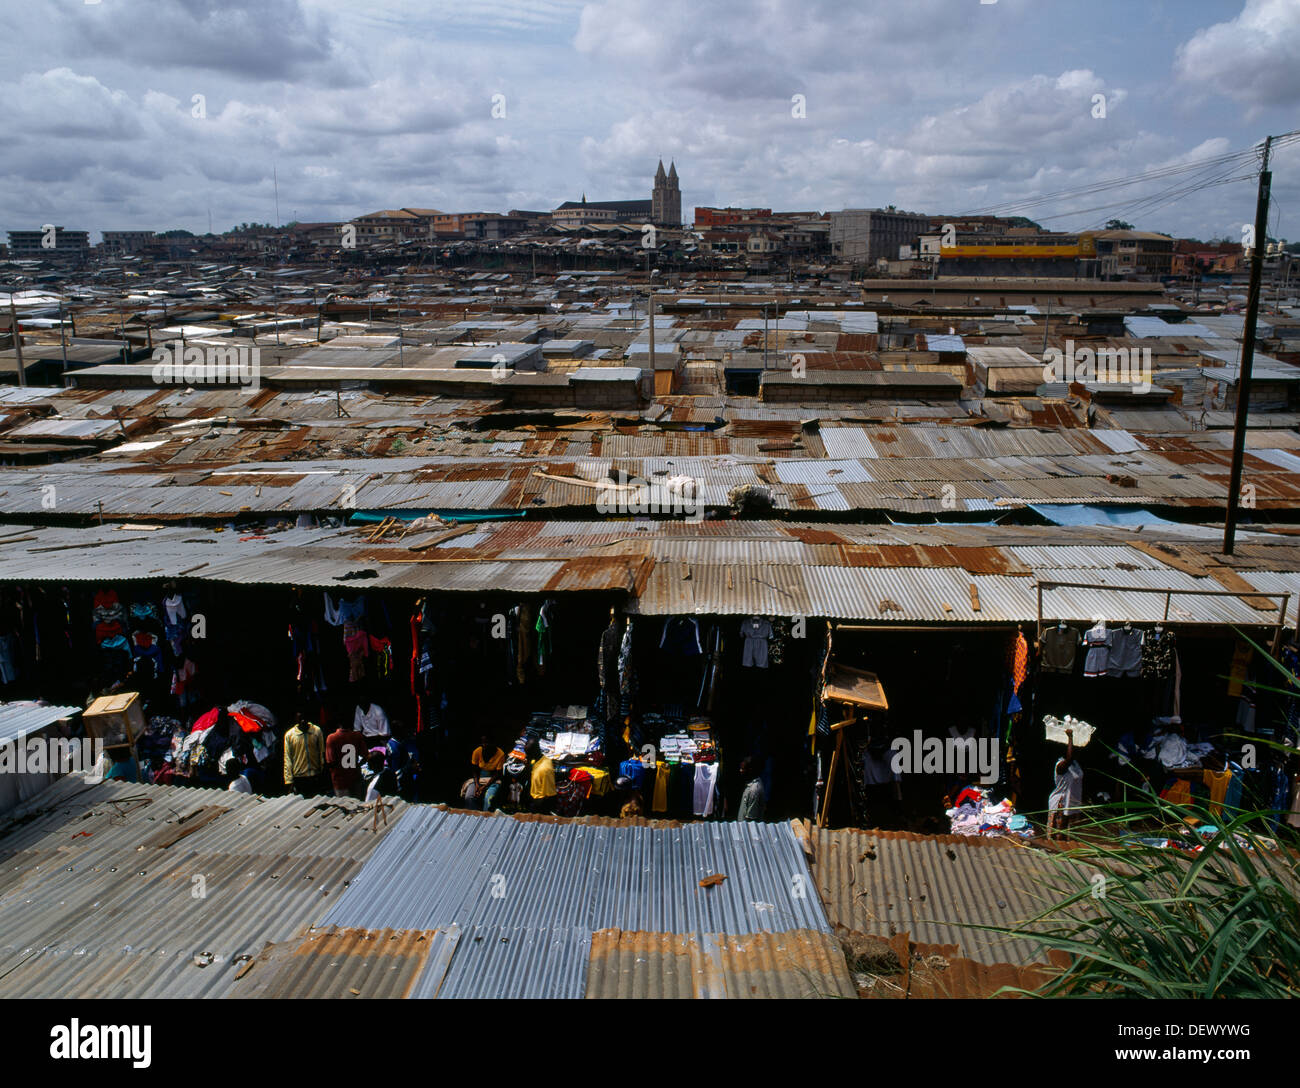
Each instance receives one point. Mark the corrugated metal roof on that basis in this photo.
(92, 906)
(22, 719)
(527, 896)
(934, 888)
(794, 964)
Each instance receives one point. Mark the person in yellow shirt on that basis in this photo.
(486, 763)
(541, 778)
(304, 758)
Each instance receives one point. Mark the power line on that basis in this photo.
(1233, 158)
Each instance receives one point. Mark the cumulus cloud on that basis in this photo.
(928, 105)
(1253, 59)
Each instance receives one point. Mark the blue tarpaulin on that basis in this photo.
(1082, 514)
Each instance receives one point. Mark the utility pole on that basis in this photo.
(650, 309)
(1047, 324)
(1248, 349)
(401, 354)
(18, 340)
(63, 343)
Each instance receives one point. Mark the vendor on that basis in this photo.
(1067, 794)
(541, 779)
(345, 749)
(486, 764)
(123, 764)
(753, 802)
(883, 784)
(237, 781)
(304, 758)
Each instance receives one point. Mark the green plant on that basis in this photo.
(1146, 905)
(1135, 918)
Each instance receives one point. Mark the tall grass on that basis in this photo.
(1130, 918)
(1134, 919)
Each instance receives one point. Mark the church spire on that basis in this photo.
(659, 174)
(672, 172)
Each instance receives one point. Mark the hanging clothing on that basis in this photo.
(681, 636)
(1059, 649)
(1240, 667)
(182, 677)
(611, 641)
(1158, 655)
(542, 628)
(706, 779)
(1097, 640)
(755, 631)
(776, 646)
(661, 787)
(1019, 662)
(147, 653)
(709, 686)
(8, 670)
(174, 606)
(1125, 658)
(526, 635)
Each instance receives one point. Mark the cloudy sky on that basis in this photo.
(931, 105)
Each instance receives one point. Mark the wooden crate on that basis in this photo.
(115, 719)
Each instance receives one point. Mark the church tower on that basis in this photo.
(666, 199)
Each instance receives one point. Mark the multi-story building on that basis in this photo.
(68, 245)
(1133, 254)
(125, 241)
(713, 218)
(316, 235)
(865, 235)
(1193, 258)
(996, 250)
(391, 226)
(577, 213)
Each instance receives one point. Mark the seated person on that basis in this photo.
(541, 779)
(486, 765)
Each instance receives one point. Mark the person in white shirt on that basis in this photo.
(238, 780)
(371, 720)
(1067, 794)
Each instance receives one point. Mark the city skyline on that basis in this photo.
(134, 117)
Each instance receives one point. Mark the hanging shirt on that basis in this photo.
(706, 776)
(1158, 655)
(681, 636)
(1097, 640)
(1059, 649)
(755, 631)
(661, 788)
(174, 606)
(1125, 658)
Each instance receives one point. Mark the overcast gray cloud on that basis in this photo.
(153, 113)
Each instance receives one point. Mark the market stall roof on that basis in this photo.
(880, 574)
(313, 903)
